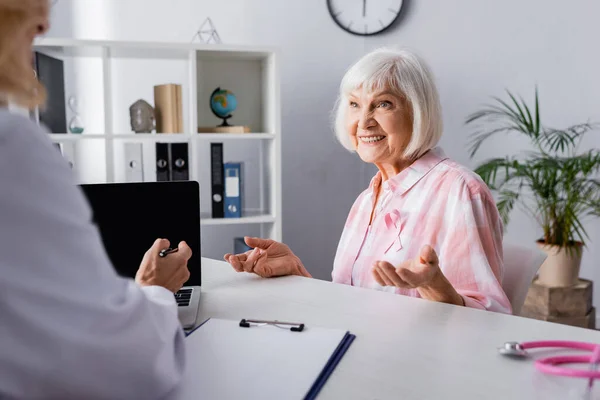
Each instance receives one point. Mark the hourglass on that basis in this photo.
(75, 125)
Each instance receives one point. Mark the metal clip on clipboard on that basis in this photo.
(294, 327)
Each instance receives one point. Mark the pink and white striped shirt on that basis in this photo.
(434, 202)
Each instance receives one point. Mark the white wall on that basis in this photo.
(475, 48)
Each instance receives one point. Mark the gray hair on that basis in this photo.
(406, 74)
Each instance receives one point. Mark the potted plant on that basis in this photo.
(554, 183)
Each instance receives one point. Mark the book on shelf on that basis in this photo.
(168, 108)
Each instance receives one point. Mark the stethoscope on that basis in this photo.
(553, 365)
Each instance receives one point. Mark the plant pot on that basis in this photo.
(561, 268)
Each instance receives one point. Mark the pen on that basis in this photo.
(163, 253)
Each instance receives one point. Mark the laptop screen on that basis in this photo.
(131, 216)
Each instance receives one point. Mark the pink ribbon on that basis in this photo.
(392, 221)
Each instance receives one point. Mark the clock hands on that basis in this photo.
(376, 22)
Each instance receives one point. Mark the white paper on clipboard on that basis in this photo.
(226, 361)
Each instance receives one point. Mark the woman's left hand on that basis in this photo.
(420, 272)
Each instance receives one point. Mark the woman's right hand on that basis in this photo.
(268, 259)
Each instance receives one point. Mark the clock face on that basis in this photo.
(364, 17)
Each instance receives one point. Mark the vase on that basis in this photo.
(561, 268)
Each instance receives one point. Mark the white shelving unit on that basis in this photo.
(107, 77)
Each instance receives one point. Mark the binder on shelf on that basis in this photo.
(172, 162)
(179, 162)
(68, 152)
(234, 189)
(168, 108)
(216, 179)
(50, 72)
(162, 162)
(134, 162)
(266, 359)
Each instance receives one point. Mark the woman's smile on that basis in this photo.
(372, 139)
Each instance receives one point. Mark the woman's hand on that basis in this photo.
(423, 274)
(410, 274)
(268, 259)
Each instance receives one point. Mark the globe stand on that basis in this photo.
(225, 123)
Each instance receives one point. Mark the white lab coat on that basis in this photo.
(70, 328)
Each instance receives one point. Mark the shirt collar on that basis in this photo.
(408, 177)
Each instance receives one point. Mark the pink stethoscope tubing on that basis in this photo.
(549, 365)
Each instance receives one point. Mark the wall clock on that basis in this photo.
(364, 17)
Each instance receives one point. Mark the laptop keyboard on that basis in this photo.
(183, 297)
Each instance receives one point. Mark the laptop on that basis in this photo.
(131, 216)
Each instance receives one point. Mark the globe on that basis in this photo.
(223, 103)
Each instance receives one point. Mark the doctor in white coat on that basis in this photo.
(70, 328)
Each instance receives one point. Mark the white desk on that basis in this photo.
(405, 348)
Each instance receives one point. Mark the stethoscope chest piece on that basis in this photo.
(513, 350)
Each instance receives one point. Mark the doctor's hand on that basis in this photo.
(170, 272)
(423, 274)
(268, 259)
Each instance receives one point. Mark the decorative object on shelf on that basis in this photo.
(222, 103)
(366, 18)
(207, 33)
(75, 124)
(168, 108)
(141, 115)
(554, 184)
(564, 305)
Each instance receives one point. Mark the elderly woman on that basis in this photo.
(426, 226)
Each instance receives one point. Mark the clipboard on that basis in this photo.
(253, 359)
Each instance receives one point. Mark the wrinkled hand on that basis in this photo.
(170, 272)
(420, 272)
(268, 259)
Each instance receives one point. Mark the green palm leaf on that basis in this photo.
(558, 187)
